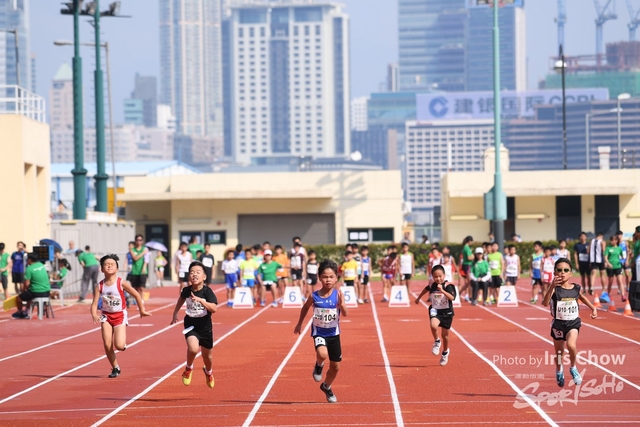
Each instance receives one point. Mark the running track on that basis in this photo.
(54, 371)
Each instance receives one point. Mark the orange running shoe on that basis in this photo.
(186, 376)
(208, 377)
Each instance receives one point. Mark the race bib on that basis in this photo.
(207, 262)
(111, 303)
(536, 264)
(567, 310)
(494, 265)
(512, 269)
(439, 301)
(349, 274)
(583, 257)
(325, 317)
(249, 271)
(195, 309)
(312, 268)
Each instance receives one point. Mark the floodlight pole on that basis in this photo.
(498, 197)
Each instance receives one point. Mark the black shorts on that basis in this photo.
(560, 328)
(406, 277)
(464, 271)
(613, 272)
(512, 280)
(583, 267)
(138, 280)
(536, 282)
(349, 282)
(365, 280)
(17, 277)
(267, 285)
(312, 279)
(28, 295)
(296, 274)
(597, 266)
(4, 279)
(496, 281)
(202, 330)
(445, 321)
(333, 346)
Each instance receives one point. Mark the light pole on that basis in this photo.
(15, 37)
(621, 97)
(560, 67)
(105, 45)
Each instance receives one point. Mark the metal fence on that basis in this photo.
(17, 100)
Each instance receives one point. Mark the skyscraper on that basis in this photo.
(190, 59)
(61, 99)
(145, 90)
(287, 75)
(14, 14)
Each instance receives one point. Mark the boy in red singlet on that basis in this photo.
(111, 290)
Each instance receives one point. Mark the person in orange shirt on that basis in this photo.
(283, 272)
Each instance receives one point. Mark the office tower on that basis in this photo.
(145, 91)
(190, 63)
(14, 14)
(287, 71)
(392, 77)
(134, 111)
(432, 36)
(359, 113)
(166, 120)
(61, 99)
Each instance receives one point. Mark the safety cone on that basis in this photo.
(596, 302)
(612, 305)
(627, 309)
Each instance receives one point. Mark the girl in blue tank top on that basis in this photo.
(328, 305)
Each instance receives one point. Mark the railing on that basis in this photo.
(17, 100)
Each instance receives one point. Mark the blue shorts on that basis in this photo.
(389, 276)
(248, 282)
(231, 280)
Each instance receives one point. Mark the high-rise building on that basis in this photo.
(166, 120)
(145, 90)
(61, 99)
(14, 15)
(479, 49)
(432, 37)
(287, 74)
(392, 77)
(359, 113)
(134, 112)
(190, 63)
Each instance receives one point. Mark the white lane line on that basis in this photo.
(275, 376)
(387, 365)
(584, 359)
(74, 336)
(591, 326)
(515, 388)
(173, 371)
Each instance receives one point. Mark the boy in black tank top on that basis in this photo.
(563, 297)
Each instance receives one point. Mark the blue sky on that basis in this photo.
(134, 41)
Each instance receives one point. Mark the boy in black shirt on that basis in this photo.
(209, 262)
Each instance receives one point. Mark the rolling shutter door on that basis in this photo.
(313, 229)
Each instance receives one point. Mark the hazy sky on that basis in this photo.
(134, 41)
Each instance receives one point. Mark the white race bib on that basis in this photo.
(583, 257)
(325, 317)
(512, 269)
(312, 268)
(567, 310)
(207, 262)
(439, 301)
(536, 264)
(494, 265)
(195, 309)
(111, 303)
(349, 274)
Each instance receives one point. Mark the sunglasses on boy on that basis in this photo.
(563, 270)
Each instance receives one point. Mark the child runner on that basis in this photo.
(230, 269)
(349, 269)
(442, 294)
(596, 260)
(565, 311)
(562, 251)
(366, 272)
(297, 265)
(547, 269)
(612, 255)
(209, 262)
(248, 271)
(407, 265)
(389, 268)
(111, 291)
(5, 266)
(449, 267)
(496, 267)
(513, 267)
(581, 259)
(268, 278)
(554, 253)
(358, 259)
(161, 263)
(312, 273)
(536, 272)
(625, 254)
(480, 276)
(198, 330)
(328, 305)
(182, 260)
(283, 272)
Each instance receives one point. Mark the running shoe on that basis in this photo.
(186, 376)
(474, 303)
(317, 372)
(436, 347)
(274, 304)
(466, 298)
(229, 304)
(560, 378)
(533, 300)
(114, 372)
(361, 301)
(366, 301)
(577, 379)
(209, 378)
(487, 302)
(590, 291)
(444, 358)
(263, 303)
(331, 398)
(280, 300)
(384, 299)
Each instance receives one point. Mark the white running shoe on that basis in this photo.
(317, 372)
(436, 347)
(360, 301)
(445, 357)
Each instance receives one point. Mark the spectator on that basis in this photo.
(91, 269)
(407, 238)
(5, 266)
(425, 240)
(194, 247)
(72, 248)
(139, 264)
(18, 267)
(239, 252)
(208, 261)
(36, 282)
(492, 238)
(56, 285)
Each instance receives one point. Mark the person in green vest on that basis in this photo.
(466, 259)
(91, 269)
(5, 266)
(612, 255)
(140, 264)
(36, 283)
(194, 247)
(480, 276)
(635, 275)
(496, 266)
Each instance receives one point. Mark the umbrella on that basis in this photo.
(49, 242)
(156, 246)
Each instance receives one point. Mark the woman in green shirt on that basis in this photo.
(480, 275)
(91, 269)
(466, 259)
(612, 255)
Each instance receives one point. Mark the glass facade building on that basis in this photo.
(14, 14)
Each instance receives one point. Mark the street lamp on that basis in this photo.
(560, 67)
(15, 36)
(105, 45)
(588, 130)
(621, 97)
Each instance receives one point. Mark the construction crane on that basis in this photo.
(635, 21)
(604, 14)
(560, 20)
